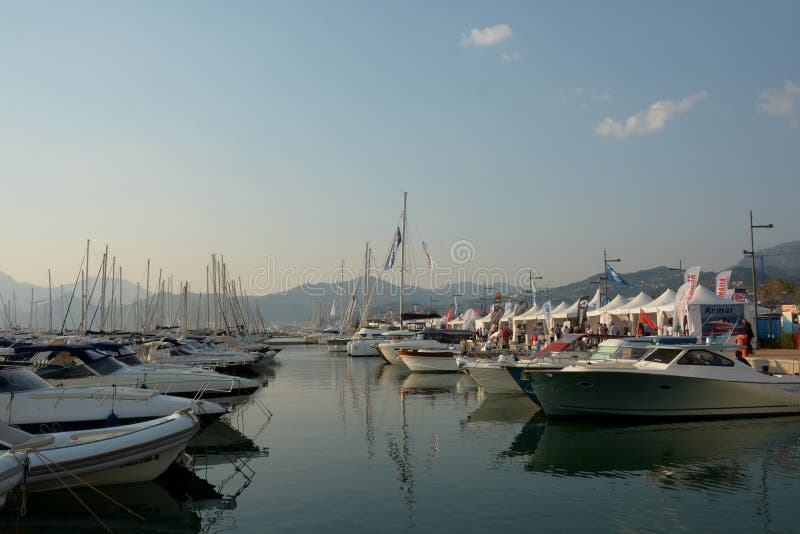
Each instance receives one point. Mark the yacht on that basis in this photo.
(32, 404)
(365, 340)
(668, 382)
(427, 338)
(490, 372)
(429, 360)
(118, 455)
(84, 365)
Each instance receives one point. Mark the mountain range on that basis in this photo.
(302, 304)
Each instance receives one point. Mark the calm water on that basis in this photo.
(354, 445)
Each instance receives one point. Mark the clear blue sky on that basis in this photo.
(540, 132)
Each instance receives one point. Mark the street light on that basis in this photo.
(678, 268)
(606, 261)
(531, 278)
(752, 254)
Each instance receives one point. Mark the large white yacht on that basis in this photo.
(670, 381)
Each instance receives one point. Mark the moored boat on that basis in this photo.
(669, 382)
(119, 455)
(429, 360)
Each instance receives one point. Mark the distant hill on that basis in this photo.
(301, 304)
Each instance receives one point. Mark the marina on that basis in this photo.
(415, 449)
(468, 267)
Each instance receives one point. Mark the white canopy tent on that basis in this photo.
(661, 310)
(707, 312)
(608, 314)
(569, 312)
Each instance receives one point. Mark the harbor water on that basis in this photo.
(340, 444)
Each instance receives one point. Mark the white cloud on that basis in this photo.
(511, 58)
(650, 120)
(486, 36)
(782, 104)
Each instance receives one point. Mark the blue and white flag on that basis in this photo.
(428, 257)
(614, 276)
(548, 308)
(390, 257)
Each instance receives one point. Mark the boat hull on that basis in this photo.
(642, 395)
(136, 456)
(493, 378)
(388, 350)
(438, 363)
(363, 347)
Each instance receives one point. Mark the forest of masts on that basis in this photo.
(224, 307)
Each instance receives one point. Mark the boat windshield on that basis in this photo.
(663, 355)
(606, 352)
(101, 363)
(19, 380)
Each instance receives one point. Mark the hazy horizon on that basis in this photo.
(528, 136)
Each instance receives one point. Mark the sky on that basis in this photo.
(528, 135)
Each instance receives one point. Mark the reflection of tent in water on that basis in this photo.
(163, 504)
(436, 383)
(693, 454)
(503, 409)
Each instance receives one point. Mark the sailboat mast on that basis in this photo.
(50, 313)
(341, 295)
(403, 257)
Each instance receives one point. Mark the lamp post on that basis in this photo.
(531, 278)
(678, 268)
(752, 253)
(606, 261)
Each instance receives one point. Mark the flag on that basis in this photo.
(614, 276)
(691, 277)
(390, 257)
(583, 306)
(428, 257)
(643, 318)
(680, 301)
(548, 307)
(723, 280)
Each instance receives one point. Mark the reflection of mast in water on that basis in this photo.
(401, 456)
(369, 426)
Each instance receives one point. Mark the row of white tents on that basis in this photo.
(621, 311)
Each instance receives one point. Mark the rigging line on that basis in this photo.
(74, 288)
(89, 485)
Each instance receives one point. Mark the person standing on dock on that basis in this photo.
(747, 329)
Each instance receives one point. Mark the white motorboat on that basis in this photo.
(118, 455)
(32, 404)
(12, 471)
(172, 351)
(670, 381)
(429, 360)
(427, 338)
(83, 365)
(490, 373)
(319, 338)
(337, 343)
(364, 342)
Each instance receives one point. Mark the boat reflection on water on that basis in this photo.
(502, 408)
(389, 375)
(169, 504)
(691, 455)
(433, 384)
(222, 441)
